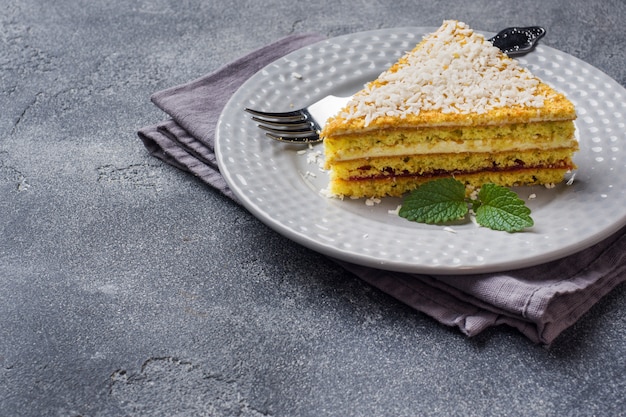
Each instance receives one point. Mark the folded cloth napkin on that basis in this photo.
(539, 301)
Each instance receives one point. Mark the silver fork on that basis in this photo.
(304, 125)
(299, 126)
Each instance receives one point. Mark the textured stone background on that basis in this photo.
(129, 288)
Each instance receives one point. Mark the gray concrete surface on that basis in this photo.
(128, 288)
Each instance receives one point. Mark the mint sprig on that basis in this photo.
(444, 200)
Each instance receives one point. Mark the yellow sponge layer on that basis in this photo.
(556, 107)
(397, 186)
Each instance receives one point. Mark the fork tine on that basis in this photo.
(285, 125)
(297, 115)
(312, 137)
(293, 133)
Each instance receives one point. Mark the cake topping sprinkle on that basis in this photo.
(455, 70)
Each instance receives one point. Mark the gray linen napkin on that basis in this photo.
(541, 302)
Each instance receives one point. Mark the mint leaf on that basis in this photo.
(501, 209)
(436, 201)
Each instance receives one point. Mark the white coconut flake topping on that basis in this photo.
(454, 71)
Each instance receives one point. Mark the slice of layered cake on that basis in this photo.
(453, 106)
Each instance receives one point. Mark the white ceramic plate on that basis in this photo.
(280, 184)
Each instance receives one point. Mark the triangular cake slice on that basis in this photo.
(453, 106)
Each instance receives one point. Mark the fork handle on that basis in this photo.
(515, 41)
